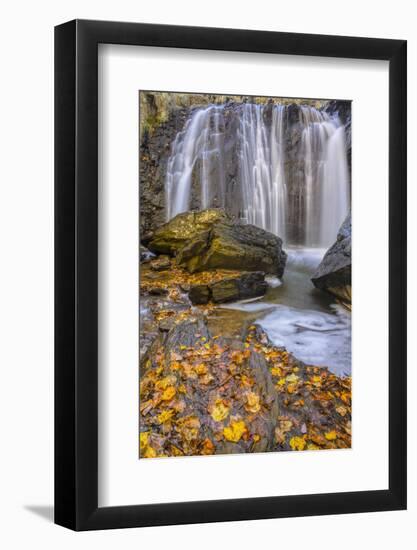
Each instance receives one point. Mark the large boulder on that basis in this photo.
(334, 272)
(211, 239)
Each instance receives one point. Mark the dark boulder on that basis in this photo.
(334, 272)
(229, 289)
(248, 285)
(199, 294)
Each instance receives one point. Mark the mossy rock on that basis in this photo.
(211, 239)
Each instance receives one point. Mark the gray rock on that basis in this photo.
(145, 255)
(334, 272)
(160, 264)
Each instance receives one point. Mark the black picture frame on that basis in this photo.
(76, 272)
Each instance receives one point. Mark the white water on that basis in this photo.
(262, 197)
(202, 139)
(323, 152)
(261, 169)
(302, 319)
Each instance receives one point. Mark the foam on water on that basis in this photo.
(321, 339)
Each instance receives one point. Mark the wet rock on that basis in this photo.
(158, 291)
(172, 236)
(145, 255)
(160, 264)
(199, 294)
(248, 285)
(211, 239)
(229, 289)
(334, 272)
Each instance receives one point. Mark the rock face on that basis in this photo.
(247, 285)
(211, 239)
(334, 272)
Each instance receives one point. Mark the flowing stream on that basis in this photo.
(301, 318)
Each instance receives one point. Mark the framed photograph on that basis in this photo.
(230, 338)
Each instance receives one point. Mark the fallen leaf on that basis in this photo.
(220, 411)
(235, 431)
(252, 402)
(330, 436)
(208, 447)
(276, 371)
(143, 439)
(201, 368)
(165, 382)
(341, 410)
(168, 393)
(166, 415)
(297, 443)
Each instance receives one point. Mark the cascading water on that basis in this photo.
(280, 181)
(323, 152)
(261, 169)
(202, 139)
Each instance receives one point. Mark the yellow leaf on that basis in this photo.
(144, 439)
(149, 453)
(281, 382)
(345, 397)
(235, 431)
(316, 381)
(252, 402)
(312, 447)
(330, 436)
(256, 438)
(183, 347)
(201, 369)
(165, 382)
(164, 416)
(297, 443)
(207, 346)
(341, 410)
(220, 411)
(168, 393)
(206, 378)
(276, 371)
(292, 378)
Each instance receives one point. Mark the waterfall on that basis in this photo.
(202, 139)
(271, 171)
(326, 176)
(261, 163)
